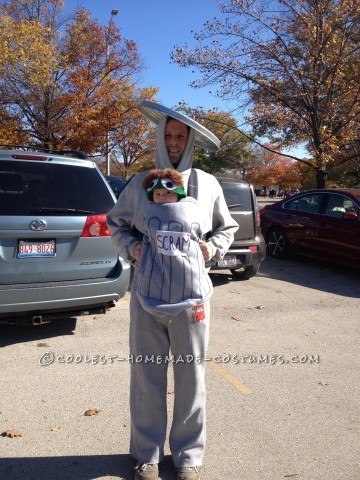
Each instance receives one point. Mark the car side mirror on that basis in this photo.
(116, 190)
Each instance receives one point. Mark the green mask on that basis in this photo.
(167, 183)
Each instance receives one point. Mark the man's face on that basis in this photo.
(176, 134)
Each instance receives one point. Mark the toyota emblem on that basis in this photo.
(38, 225)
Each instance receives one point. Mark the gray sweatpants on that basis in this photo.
(152, 338)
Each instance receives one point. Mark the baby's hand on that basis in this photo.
(137, 251)
(206, 250)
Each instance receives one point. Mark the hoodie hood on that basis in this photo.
(203, 137)
(162, 157)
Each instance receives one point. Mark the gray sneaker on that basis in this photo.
(188, 473)
(147, 471)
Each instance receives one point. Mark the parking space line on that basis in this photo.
(245, 390)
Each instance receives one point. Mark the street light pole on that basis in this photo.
(107, 156)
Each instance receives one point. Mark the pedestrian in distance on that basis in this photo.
(184, 333)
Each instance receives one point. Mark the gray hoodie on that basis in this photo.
(126, 218)
(172, 274)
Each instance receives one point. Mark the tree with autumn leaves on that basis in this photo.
(133, 143)
(275, 171)
(65, 82)
(69, 82)
(293, 66)
(235, 153)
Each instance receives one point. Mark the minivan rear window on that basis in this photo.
(237, 196)
(27, 188)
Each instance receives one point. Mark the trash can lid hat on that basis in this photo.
(203, 137)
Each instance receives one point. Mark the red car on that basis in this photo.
(323, 224)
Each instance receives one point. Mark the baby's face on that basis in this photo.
(162, 195)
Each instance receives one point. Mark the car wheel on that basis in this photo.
(246, 273)
(277, 243)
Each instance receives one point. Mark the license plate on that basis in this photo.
(27, 248)
(227, 262)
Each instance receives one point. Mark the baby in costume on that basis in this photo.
(172, 274)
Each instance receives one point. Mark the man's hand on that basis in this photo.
(137, 251)
(206, 250)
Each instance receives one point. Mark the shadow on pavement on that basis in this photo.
(87, 467)
(11, 334)
(221, 277)
(314, 274)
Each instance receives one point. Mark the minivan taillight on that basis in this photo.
(96, 226)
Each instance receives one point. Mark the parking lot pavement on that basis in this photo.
(267, 201)
(296, 337)
(282, 380)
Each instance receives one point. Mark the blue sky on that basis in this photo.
(157, 26)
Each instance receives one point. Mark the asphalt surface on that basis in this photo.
(282, 380)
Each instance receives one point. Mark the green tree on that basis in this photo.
(346, 175)
(294, 66)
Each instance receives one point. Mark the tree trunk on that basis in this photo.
(321, 179)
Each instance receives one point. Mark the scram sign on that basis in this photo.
(172, 243)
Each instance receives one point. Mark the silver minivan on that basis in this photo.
(56, 255)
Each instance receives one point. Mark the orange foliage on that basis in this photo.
(69, 90)
(293, 66)
(275, 170)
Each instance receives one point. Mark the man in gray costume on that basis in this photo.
(186, 333)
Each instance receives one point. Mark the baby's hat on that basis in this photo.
(167, 178)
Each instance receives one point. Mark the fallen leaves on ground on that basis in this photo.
(12, 434)
(92, 411)
(324, 383)
(260, 307)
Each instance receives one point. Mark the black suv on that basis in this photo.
(116, 183)
(248, 249)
